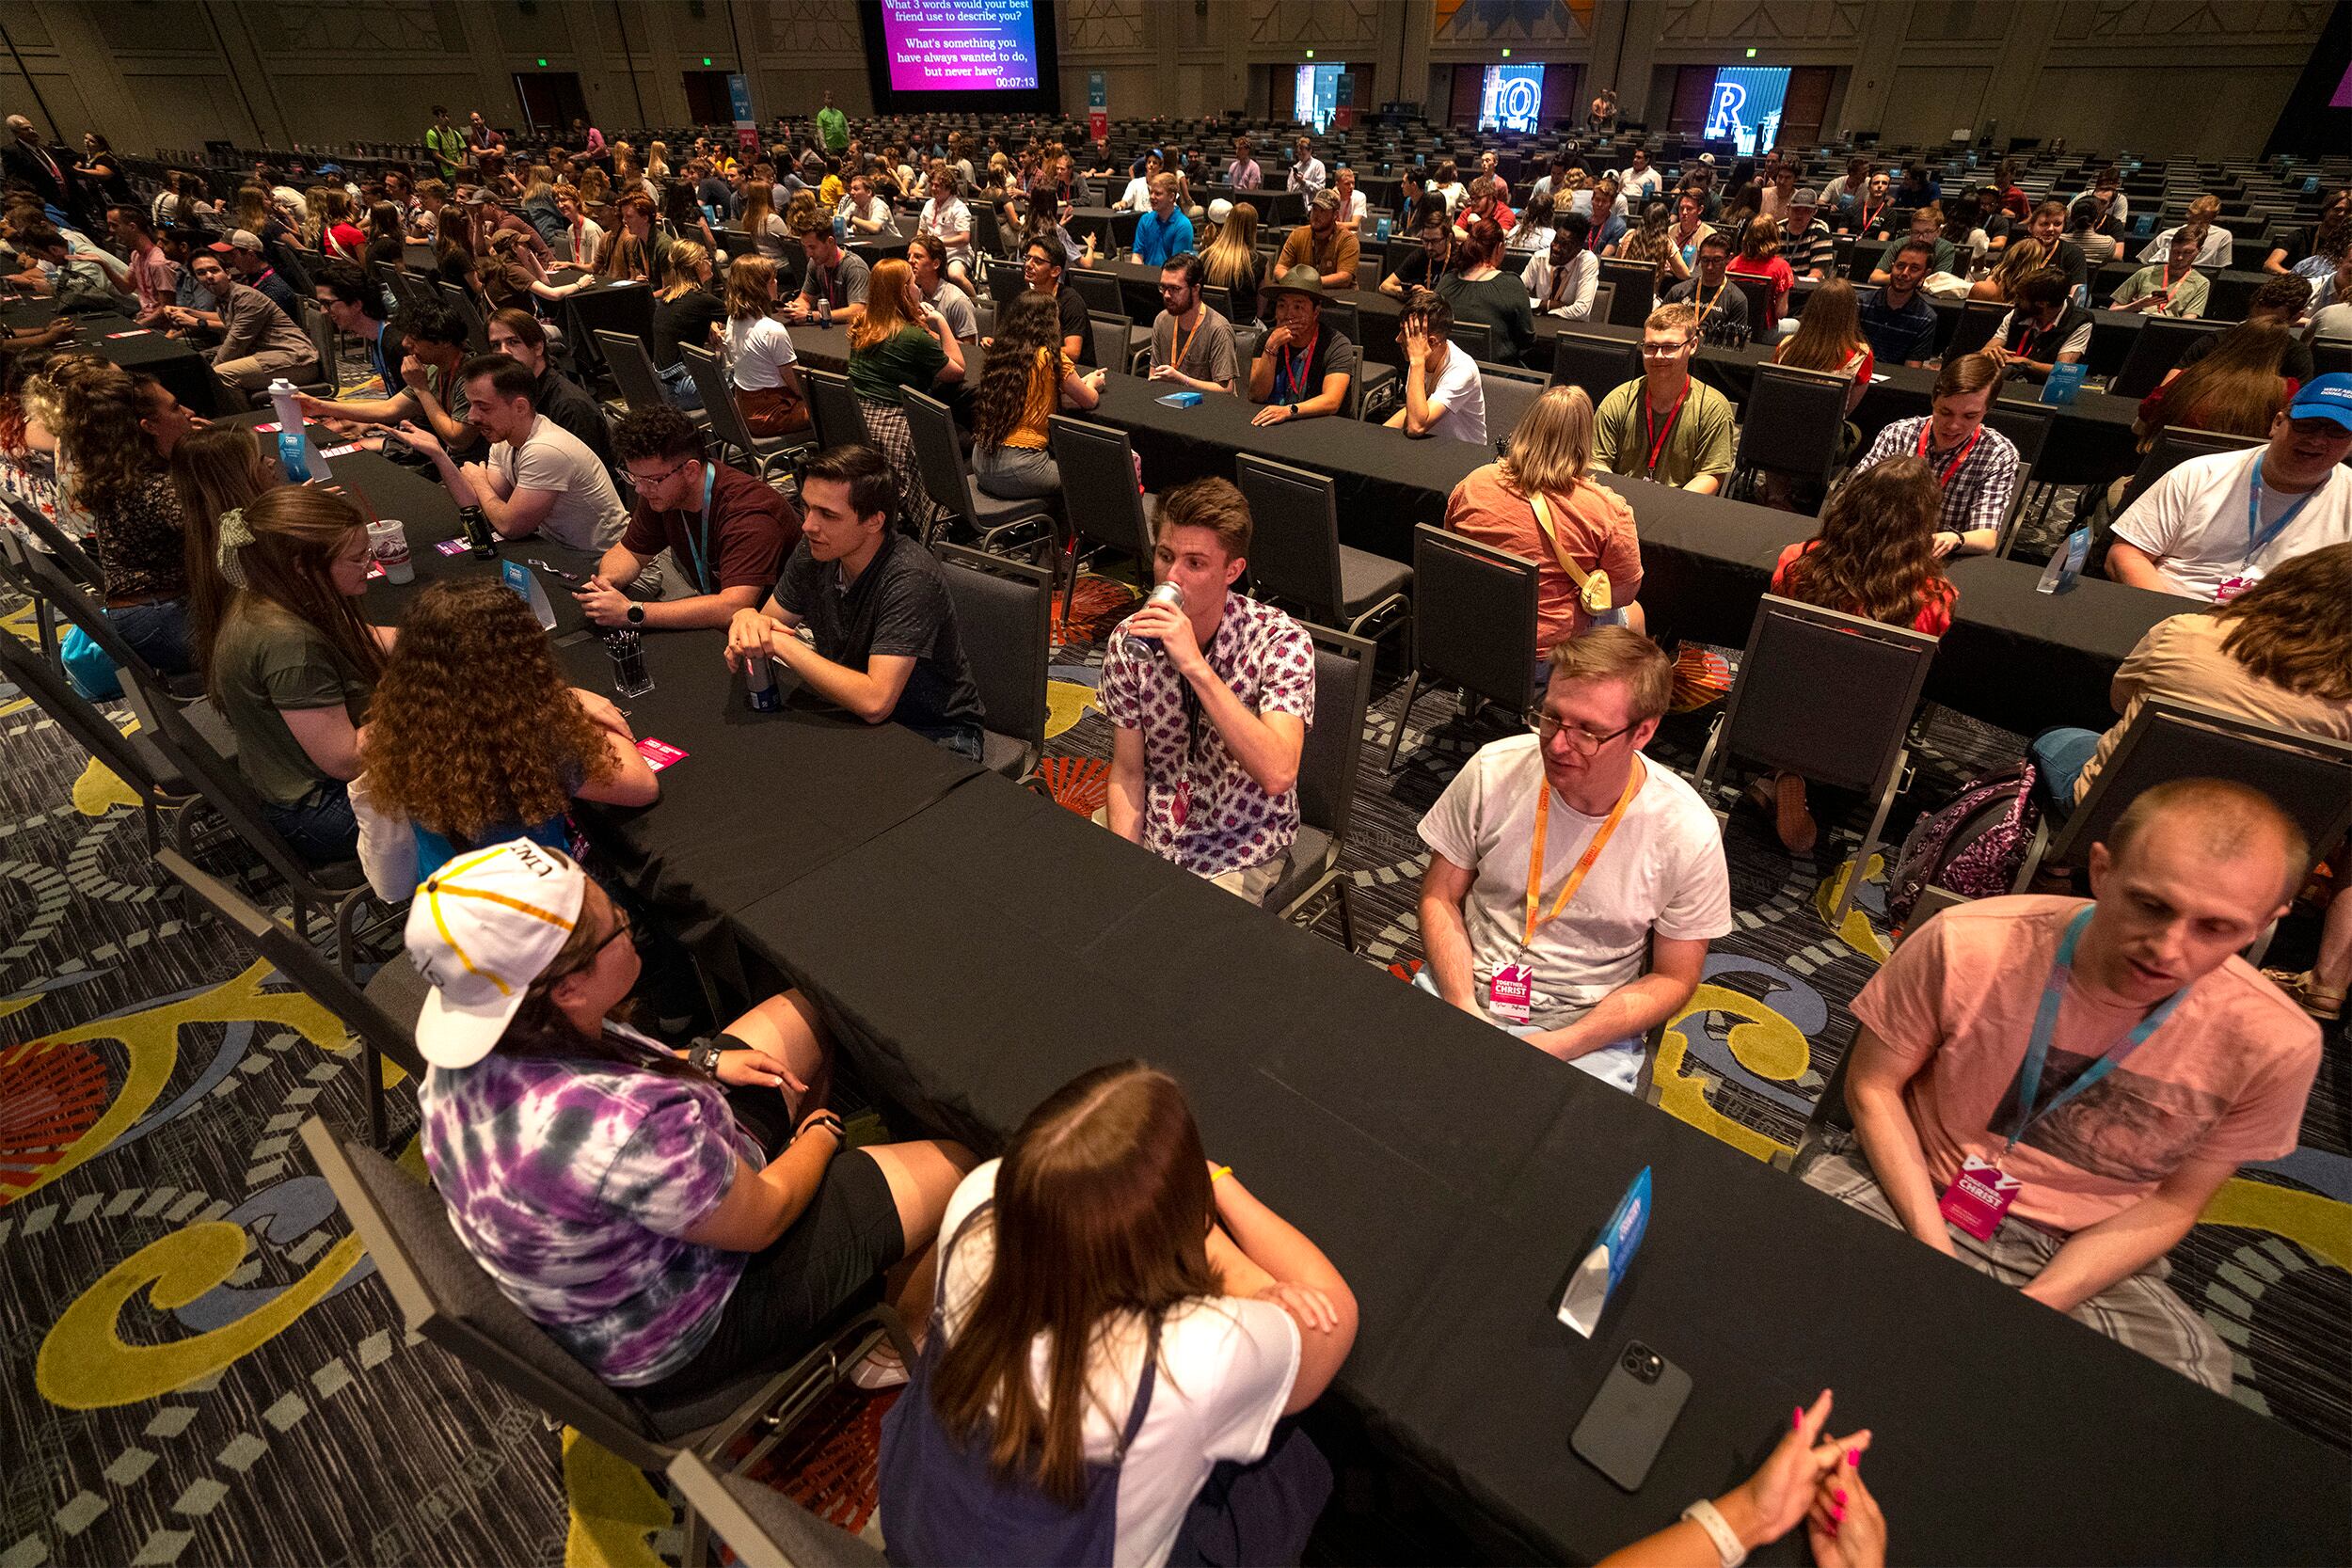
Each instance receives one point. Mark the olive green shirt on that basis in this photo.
(265, 660)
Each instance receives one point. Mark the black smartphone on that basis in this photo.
(1627, 1423)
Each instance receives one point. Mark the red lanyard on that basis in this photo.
(1657, 437)
(1298, 376)
(1866, 215)
(1966, 446)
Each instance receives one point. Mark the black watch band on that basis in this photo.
(704, 1057)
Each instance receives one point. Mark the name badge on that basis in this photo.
(1979, 1198)
(1511, 994)
(1181, 807)
(2233, 587)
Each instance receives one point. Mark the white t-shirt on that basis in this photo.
(758, 348)
(1464, 397)
(1137, 194)
(1225, 1369)
(1662, 870)
(2192, 522)
(588, 513)
(1645, 182)
(954, 218)
(1352, 210)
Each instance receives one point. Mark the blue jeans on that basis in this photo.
(158, 633)
(962, 739)
(320, 827)
(2059, 756)
(677, 386)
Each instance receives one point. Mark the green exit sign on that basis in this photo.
(543, 62)
(1750, 55)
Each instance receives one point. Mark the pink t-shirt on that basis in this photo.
(2225, 1078)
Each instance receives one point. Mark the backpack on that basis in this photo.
(1973, 844)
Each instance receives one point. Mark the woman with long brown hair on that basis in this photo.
(761, 361)
(759, 219)
(475, 737)
(1829, 338)
(1028, 379)
(214, 470)
(1650, 239)
(115, 435)
(294, 661)
(2019, 259)
(678, 1220)
(2234, 389)
(1875, 558)
(1115, 1320)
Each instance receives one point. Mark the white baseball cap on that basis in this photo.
(482, 927)
(1220, 210)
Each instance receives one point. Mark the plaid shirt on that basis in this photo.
(1976, 494)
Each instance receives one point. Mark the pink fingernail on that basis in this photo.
(1837, 1514)
(1796, 1418)
(1853, 1456)
(1841, 1497)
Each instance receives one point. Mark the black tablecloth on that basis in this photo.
(1453, 1177)
(623, 307)
(150, 350)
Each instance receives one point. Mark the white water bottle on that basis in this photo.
(291, 456)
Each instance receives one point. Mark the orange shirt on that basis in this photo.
(1595, 524)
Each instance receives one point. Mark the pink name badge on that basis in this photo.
(1979, 1198)
(265, 430)
(658, 754)
(1511, 994)
(451, 547)
(134, 332)
(2232, 588)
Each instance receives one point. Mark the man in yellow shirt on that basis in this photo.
(1323, 244)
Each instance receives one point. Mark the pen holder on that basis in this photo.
(628, 649)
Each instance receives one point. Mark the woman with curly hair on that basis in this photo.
(1874, 558)
(475, 737)
(294, 661)
(216, 470)
(116, 433)
(1651, 240)
(1028, 380)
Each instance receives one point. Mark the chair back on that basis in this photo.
(938, 455)
(1599, 365)
(1473, 615)
(2331, 355)
(1978, 319)
(718, 393)
(321, 333)
(1107, 342)
(2156, 347)
(1100, 290)
(444, 1295)
(2307, 777)
(1123, 226)
(144, 769)
(297, 960)
(1759, 295)
(477, 330)
(1477, 339)
(1006, 282)
(1794, 422)
(1294, 549)
(833, 408)
(1777, 714)
(1509, 395)
(2028, 427)
(762, 1527)
(1003, 618)
(1636, 291)
(2174, 446)
(632, 371)
(1097, 484)
(1604, 300)
(1333, 755)
(1219, 298)
(63, 546)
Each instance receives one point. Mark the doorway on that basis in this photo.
(708, 100)
(551, 99)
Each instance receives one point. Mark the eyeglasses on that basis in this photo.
(621, 928)
(1665, 351)
(646, 482)
(1547, 726)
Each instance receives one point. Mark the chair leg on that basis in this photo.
(1347, 915)
(375, 1064)
(1870, 842)
(1412, 685)
(2032, 863)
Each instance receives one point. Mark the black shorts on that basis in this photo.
(834, 1255)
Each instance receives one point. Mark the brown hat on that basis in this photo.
(1300, 279)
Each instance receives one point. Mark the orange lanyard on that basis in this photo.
(1708, 308)
(1583, 863)
(1186, 347)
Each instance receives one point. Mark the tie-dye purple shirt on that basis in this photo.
(570, 1183)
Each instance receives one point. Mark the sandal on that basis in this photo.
(879, 1368)
(2325, 1005)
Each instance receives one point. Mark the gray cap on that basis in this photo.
(1806, 197)
(239, 239)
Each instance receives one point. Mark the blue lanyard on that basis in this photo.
(2045, 1023)
(383, 367)
(701, 553)
(2257, 537)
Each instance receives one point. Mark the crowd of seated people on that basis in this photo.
(447, 755)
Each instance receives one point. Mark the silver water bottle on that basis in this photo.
(1169, 594)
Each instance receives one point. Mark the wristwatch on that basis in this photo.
(636, 613)
(703, 1055)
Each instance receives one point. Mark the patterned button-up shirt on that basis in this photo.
(1975, 494)
(1202, 809)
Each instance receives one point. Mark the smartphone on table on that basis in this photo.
(1627, 1423)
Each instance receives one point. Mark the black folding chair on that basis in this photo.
(2156, 347)
(1599, 365)
(1760, 296)
(947, 479)
(1100, 501)
(381, 1017)
(2309, 778)
(1473, 627)
(1005, 620)
(445, 1296)
(762, 1527)
(1477, 339)
(1509, 395)
(1634, 286)
(1979, 320)
(727, 425)
(1328, 766)
(1296, 555)
(1370, 375)
(133, 758)
(2028, 427)
(633, 371)
(1794, 426)
(832, 410)
(1779, 714)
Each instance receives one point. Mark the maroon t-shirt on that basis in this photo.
(752, 528)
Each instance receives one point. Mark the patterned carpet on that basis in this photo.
(196, 1365)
